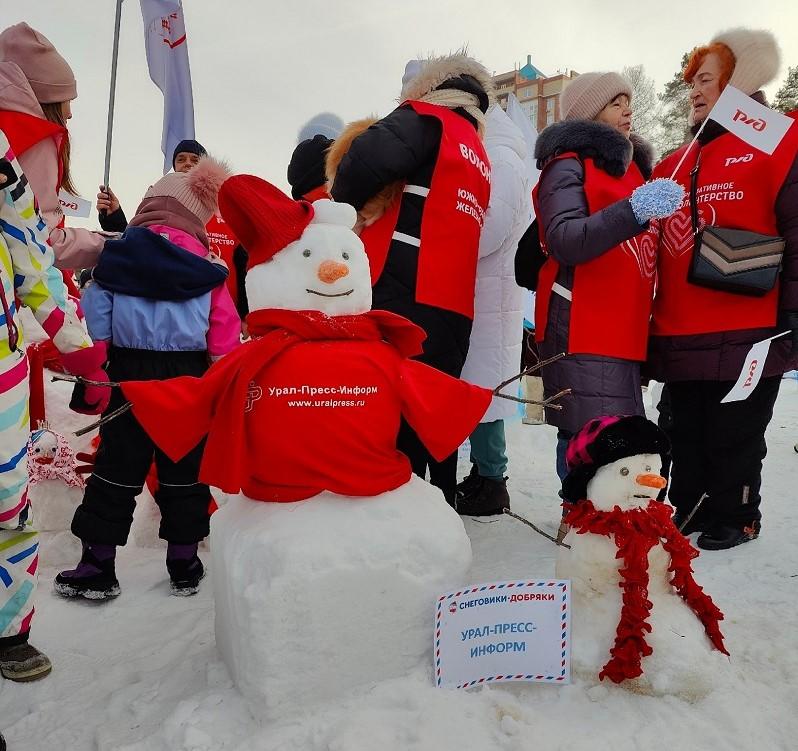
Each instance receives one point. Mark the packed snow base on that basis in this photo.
(143, 673)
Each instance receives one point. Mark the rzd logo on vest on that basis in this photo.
(757, 124)
(738, 159)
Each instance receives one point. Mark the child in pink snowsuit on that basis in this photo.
(160, 300)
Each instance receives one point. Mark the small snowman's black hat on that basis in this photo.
(605, 440)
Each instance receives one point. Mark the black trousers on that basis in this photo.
(718, 449)
(126, 453)
(445, 349)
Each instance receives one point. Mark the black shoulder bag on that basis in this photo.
(732, 260)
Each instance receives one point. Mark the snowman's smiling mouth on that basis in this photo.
(324, 294)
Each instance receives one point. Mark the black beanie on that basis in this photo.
(188, 146)
(605, 440)
(306, 168)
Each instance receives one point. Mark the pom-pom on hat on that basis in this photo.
(197, 190)
(589, 93)
(263, 218)
(48, 74)
(324, 124)
(757, 57)
(605, 440)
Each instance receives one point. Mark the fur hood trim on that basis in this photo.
(438, 70)
(376, 206)
(611, 151)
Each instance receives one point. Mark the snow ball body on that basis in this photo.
(684, 662)
(320, 596)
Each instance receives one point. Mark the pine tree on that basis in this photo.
(787, 96)
(675, 103)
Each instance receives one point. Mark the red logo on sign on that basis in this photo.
(453, 607)
(751, 371)
(755, 122)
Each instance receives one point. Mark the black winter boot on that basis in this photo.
(470, 485)
(490, 499)
(95, 575)
(23, 663)
(723, 537)
(185, 569)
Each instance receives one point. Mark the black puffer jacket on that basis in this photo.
(403, 146)
(600, 385)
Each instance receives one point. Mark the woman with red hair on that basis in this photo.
(701, 334)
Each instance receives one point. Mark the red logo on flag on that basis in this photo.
(173, 30)
(757, 124)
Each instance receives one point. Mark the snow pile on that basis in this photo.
(321, 596)
(143, 672)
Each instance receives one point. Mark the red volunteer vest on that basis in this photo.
(737, 188)
(452, 219)
(611, 295)
(222, 242)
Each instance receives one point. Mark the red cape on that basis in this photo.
(241, 405)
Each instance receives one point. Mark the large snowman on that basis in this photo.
(327, 548)
(639, 618)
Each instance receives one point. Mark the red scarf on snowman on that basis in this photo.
(635, 532)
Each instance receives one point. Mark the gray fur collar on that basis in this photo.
(605, 145)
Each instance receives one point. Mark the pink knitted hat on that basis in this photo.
(48, 74)
(197, 190)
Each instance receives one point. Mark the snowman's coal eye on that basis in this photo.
(38, 451)
(624, 471)
(306, 253)
(345, 256)
(648, 468)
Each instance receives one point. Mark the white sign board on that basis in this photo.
(752, 370)
(74, 205)
(504, 631)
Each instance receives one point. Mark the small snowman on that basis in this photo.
(50, 457)
(639, 618)
(327, 547)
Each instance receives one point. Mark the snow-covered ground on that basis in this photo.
(142, 673)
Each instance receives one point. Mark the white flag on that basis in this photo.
(759, 126)
(752, 370)
(167, 58)
(74, 205)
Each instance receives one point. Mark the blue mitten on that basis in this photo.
(657, 199)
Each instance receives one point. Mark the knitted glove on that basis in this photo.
(656, 200)
(88, 362)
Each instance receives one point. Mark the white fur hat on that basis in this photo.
(757, 56)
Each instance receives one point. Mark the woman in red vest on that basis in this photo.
(594, 292)
(36, 89)
(700, 337)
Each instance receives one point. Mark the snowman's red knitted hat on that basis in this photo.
(263, 218)
(605, 440)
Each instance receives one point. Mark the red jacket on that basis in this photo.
(313, 403)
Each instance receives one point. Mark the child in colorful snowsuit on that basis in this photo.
(161, 303)
(28, 275)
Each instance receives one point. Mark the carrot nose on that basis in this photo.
(331, 271)
(651, 481)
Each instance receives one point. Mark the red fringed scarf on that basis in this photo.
(635, 532)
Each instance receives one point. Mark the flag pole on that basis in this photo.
(112, 95)
(687, 150)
